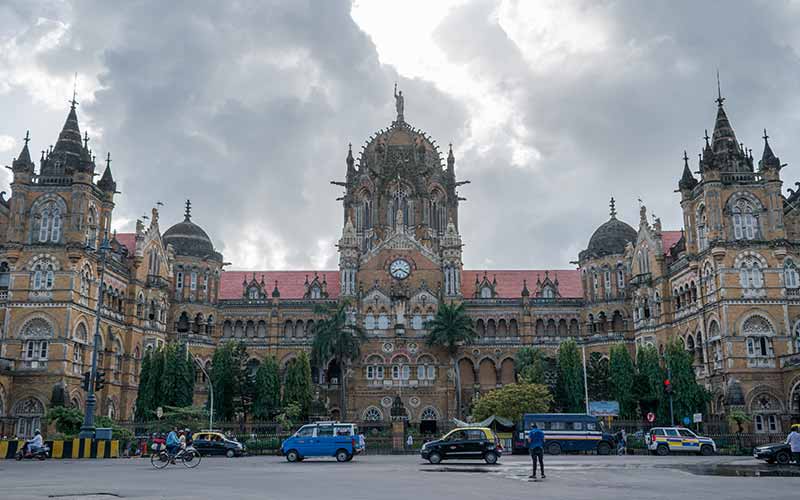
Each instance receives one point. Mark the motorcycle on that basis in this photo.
(41, 454)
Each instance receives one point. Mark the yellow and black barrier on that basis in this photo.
(68, 448)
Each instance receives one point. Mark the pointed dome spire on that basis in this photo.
(23, 161)
(187, 215)
(350, 160)
(687, 179)
(612, 208)
(768, 158)
(723, 138)
(106, 182)
(451, 160)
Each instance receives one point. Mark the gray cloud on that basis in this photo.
(247, 108)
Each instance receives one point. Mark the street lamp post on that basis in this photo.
(210, 391)
(87, 429)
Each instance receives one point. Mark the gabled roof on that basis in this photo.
(669, 239)
(128, 240)
(510, 283)
(291, 284)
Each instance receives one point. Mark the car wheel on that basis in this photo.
(782, 458)
(342, 455)
(435, 458)
(230, 453)
(662, 450)
(490, 457)
(554, 449)
(706, 450)
(603, 448)
(293, 456)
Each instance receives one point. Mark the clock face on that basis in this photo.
(400, 269)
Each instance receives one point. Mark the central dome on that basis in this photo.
(611, 238)
(399, 143)
(187, 238)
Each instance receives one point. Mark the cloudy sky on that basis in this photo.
(247, 107)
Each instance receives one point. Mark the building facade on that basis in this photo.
(727, 285)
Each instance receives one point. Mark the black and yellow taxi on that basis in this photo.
(464, 443)
(217, 443)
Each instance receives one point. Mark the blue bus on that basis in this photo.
(566, 432)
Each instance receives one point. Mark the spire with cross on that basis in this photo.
(612, 205)
(74, 102)
(188, 213)
(27, 138)
(720, 99)
(86, 140)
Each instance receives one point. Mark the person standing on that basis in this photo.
(623, 441)
(409, 442)
(536, 448)
(793, 440)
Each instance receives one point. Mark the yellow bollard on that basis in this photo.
(101, 449)
(58, 448)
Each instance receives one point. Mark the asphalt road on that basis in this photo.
(400, 477)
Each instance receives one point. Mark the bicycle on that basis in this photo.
(189, 457)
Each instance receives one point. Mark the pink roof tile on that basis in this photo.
(290, 283)
(128, 240)
(668, 239)
(510, 283)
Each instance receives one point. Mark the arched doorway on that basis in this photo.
(29, 413)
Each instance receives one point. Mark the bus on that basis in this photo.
(565, 432)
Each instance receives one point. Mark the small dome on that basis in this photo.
(611, 238)
(187, 238)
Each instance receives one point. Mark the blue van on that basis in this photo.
(324, 439)
(567, 432)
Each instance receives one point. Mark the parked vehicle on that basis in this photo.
(41, 454)
(566, 432)
(216, 443)
(663, 440)
(774, 452)
(324, 439)
(464, 443)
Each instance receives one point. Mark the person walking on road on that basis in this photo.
(793, 440)
(409, 442)
(536, 448)
(622, 442)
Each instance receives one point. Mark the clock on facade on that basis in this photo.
(400, 269)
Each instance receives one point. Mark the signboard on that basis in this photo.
(604, 408)
(651, 417)
(687, 420)
(698, 417)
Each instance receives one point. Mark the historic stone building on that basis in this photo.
(727, 285)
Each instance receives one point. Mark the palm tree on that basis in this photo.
(451, 328)
(336, 337)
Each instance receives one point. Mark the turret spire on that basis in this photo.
(768, 158)
(106, 182)
(687, 179)
(188, 214)
(723, 139)
(613, 210)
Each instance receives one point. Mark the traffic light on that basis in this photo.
(667, 386)
(99, 380)
(87, 376)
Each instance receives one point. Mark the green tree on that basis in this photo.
(177, 380)
(335, 337)
(450, 329)
(143, 397)
(569, 387)
(267, 400)
(739, 418)
(512, 401)
(621, 378)
(68, 421)
(297, 386)
(224, 377)
(648, 387)
(531, 365)
(597, 375)
(688, 397)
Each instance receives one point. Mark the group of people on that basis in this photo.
(175, 440)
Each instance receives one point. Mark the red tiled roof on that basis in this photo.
(128, 240)
(290, 283)
(668, 239)
(509, 283)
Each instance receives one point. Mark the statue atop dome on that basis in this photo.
(399, 103)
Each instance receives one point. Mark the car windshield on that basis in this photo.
(306, 431)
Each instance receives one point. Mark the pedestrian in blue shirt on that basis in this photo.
(536, 448)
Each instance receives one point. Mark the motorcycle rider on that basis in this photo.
(35, 444)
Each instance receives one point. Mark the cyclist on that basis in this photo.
(173, 443)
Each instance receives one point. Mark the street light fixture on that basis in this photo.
(87, 429)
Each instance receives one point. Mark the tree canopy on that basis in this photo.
(597, 374)
(297, 387)
(512, 401)
(621, 377)
(688, 397)
(267, 400)
(451, 328)
(166, 379)
(569, 387)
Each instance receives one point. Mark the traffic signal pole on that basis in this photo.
(87, 429)
(671, 412)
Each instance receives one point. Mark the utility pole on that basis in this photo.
(87, 429)
(210, 390)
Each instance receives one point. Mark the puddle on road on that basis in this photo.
(730, 470)
(458, 469)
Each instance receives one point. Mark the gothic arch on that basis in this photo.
(755, 313)
(37, 326)
(746, 255)
(763, 390)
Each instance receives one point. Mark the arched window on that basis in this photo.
(316, 293)
(426, 370)
(751, 276)
(708, 277)
(745, 220)
(548, 293)
(374, 368)
(252, 293)
(790, 276)
(702, 241)
(758, 332)
(429, 414)
(486, 292)
(373, 414)
(383, 321)
(91, 228)
(369, 320)
(620, 279)
(400, 368)
(796, 335)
